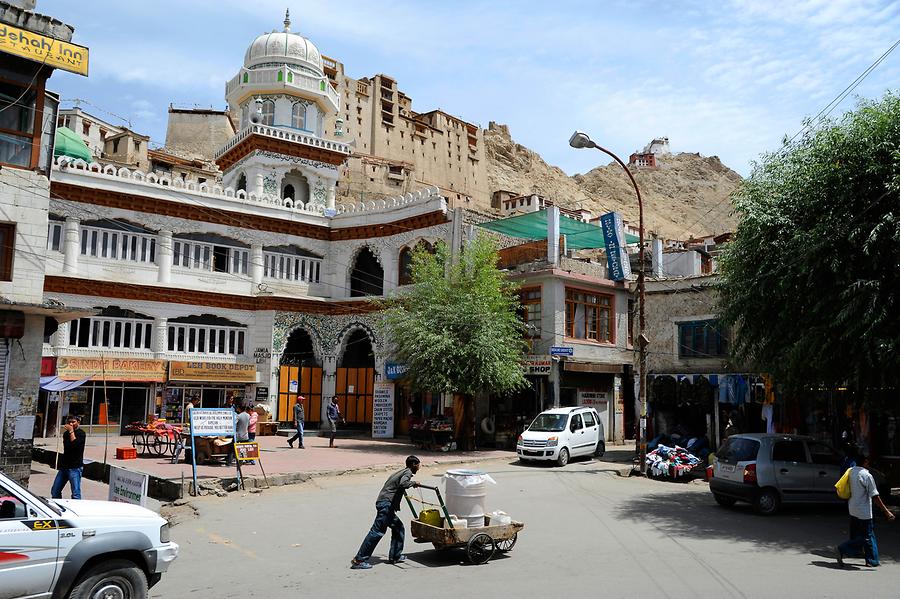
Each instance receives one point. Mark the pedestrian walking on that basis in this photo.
(386, 507)
(863, 493)
(333, 413)
(299, 417)
(71, 463)
(251, 429)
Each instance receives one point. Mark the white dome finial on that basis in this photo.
(287, 20)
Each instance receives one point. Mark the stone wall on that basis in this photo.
(24, 371)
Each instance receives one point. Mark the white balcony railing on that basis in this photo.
(289, 78)
(283, 135)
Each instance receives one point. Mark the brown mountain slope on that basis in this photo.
(685, 195)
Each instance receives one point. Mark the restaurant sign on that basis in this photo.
(43, 49)
(212, 372)
(112, 369)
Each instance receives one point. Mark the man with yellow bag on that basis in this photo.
(862, 532)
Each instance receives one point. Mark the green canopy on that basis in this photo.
(579, 234)
(69, 143)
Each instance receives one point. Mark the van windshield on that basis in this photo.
(549, 423)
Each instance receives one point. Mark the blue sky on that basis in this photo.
(727, 78)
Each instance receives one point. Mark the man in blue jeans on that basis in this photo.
(863, 493)
(386, 507)
(72, 460)
(298, 422)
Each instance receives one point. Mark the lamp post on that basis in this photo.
(581, 140)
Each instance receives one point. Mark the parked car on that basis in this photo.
(77, 548)
(768, 470)
(562, 433)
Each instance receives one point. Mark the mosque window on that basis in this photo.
(321, 85)
(290, 77)
(280, 76)
(288, 191)
(298, 115)
(268, 113)
(246, 77)
(242, 183)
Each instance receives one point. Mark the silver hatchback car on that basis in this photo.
(767, 470)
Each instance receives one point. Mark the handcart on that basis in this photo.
(480, 542)
(160, 440)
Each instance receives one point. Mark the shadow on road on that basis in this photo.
(693, 515)
(441, 558)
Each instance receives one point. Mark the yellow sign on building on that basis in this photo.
(114, 369)
(43, 49)
(212, 372)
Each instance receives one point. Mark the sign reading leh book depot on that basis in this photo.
(212, 371)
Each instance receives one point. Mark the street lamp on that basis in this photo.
(581, 140)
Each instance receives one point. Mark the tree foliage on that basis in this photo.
(456, 326)
(810, 282)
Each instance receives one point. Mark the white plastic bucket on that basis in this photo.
(465, 494)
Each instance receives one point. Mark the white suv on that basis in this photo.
(78, 549)
(562, 433)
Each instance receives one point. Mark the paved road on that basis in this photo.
(588, 533)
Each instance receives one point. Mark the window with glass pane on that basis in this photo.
(267, 113)
(298, 115)
(588, 316)
(531, 311)
(702, 339)
(17, 124)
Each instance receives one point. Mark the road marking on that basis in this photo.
(220, 540)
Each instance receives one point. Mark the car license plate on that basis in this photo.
(727, 468)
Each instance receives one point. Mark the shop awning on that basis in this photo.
(579, 234)
(69, 143)
(54, 383)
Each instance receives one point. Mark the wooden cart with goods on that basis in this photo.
(480, 542)
(159, 439)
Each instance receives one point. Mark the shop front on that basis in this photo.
(208, 384)
(597, 385)
(508, 415)
(119, 392)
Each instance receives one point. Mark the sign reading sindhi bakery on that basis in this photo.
(114, 369)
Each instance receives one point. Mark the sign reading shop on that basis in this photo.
(538, 365)
(212, 372)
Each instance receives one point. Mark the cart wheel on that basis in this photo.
(507, 544)
(480, 548)
(160, 445)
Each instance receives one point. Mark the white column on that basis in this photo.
(553, 235)
(390, 263)
(61, 338)
(256, 265)
(164, 257)
(255, 182)
(160, 336)
(71, 240)
(332, 191)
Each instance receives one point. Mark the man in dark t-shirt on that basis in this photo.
(72, 460)
(386, 507)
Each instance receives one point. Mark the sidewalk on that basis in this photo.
(282, 464)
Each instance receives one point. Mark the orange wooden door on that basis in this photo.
(305, 381)
(354, 389)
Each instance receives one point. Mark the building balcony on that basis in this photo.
(284, 79)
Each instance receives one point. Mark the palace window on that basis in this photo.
(206, 334)
(531, 312)
(118, 243)
(298, 115)
(291, 264)
(114, 328)
(588, 316)
(200, 252)
(267, 113)
(17, 124)
(702, 339)
(55, 235)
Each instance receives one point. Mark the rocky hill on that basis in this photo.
(684, 196)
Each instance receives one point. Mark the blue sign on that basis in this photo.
(614, 239)
(395, 370)
(560, 350)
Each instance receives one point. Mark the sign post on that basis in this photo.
(562, 350)
(249, 452)
(126, 486)
(209, 422)
(383, 411)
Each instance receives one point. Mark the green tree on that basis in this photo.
(457, 329)
(810, 282)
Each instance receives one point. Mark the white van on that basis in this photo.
(562, 433)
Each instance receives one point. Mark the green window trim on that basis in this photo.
(280, 75)
(246, 77)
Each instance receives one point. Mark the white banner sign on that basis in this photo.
(126, 486)
(383, 411)
(212, 422)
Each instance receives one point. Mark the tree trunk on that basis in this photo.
(464, 421)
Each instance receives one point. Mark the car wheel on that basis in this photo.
(724, 501)
(767, 502)
(563, 458)
(117, 579)
(601, 449)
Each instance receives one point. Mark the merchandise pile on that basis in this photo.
(670, 461)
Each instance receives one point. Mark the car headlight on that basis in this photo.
(552, 441)
(164, 535)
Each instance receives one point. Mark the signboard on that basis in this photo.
(212, 422)
(126, 486)
(614, 239)
(383, 411)
(209, 422)
(395, 370)
(599, 400)
(262, 394)
(560, 350)
(538, 365)
(246, 452)
(212, 372)
(293, 386)
(114, 369)
(43, 49)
